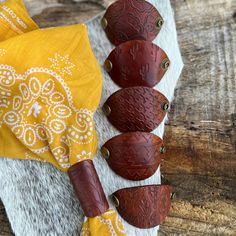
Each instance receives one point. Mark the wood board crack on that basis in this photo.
(201, 133)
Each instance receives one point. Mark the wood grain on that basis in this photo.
(5, 229)
(201, 134)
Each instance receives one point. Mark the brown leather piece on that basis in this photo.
(126, 20)
(134, 156)
(137, 63)
(88, 188)
(145, 206)
(136, 109)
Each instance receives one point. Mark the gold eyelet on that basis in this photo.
(159, 22)
(106, 109)
(165, 106)
(165, 64)
(108, 66)
(115, 200)
(104, 23)
(105, 152)
(173, 196)
(162, 149)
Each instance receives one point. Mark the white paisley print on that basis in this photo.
(39, 114)
(110, 221)
(62, 64)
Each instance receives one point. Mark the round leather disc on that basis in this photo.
(137, 63)
(126, 20)
(135, 155)
(145, 206)
(136, 109)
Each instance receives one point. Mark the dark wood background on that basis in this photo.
(201, 133)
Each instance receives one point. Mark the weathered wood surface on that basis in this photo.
(4, 224)
(201, 134)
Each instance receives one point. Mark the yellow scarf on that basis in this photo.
(14, 19)
(50, 87)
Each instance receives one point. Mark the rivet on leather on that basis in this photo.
(135, 155)
(144, 206)
(136, 109)
(127, 20)
(137, 63)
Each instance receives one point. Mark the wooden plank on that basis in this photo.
(67, 12)
(201, 134)
(5, 229)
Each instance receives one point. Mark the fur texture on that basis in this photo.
(39, 199)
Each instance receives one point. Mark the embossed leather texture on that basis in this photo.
(145, 206)
(136, 109)
(137, 63)
(135, 155)
(126, 20)
(88, 188)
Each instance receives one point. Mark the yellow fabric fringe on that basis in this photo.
(50, 87)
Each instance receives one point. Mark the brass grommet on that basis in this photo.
(104, 23)
(165, 64)
(115, 200)
(105, 152)
(106, 110)
(159, 22)
(108, 65)
(165, 106)
(162, 149)
(173, 196)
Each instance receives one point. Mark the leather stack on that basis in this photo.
(136, 65)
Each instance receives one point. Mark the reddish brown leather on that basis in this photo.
(145, 206)
(137, 63)
(134, 156)
(88, 188)
(131, 19)
(136, 109)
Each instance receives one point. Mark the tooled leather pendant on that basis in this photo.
(134, 156)
(127, 20)
(137, 63)
(145, 206)
(136, 109)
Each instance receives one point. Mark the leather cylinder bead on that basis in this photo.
(126, 20)
(88, 188)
